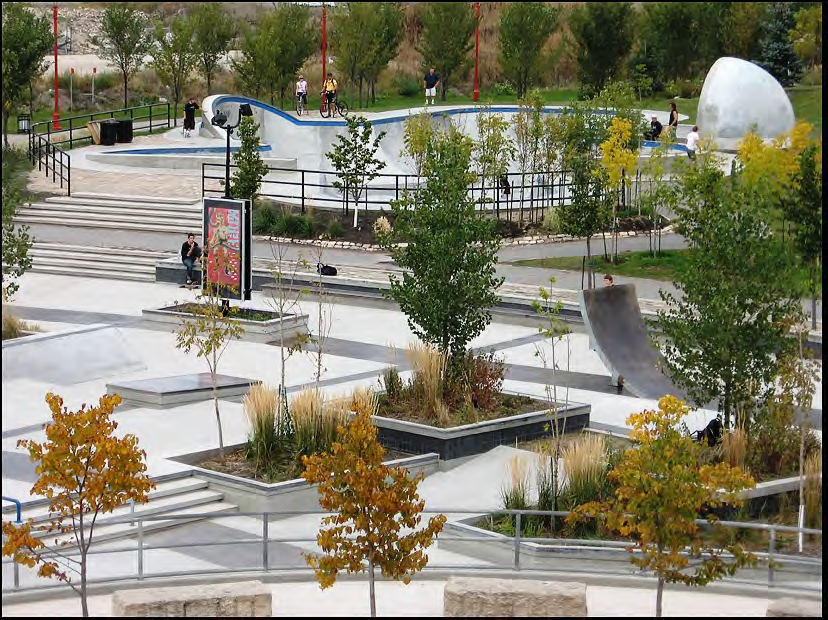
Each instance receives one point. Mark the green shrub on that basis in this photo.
(406, 85)
(773, 440)
(503, 88)
(483, 374)
(551, 222)
(392, 383)
(265, 219)
(335, 229)
(309, 226)
(288, 225)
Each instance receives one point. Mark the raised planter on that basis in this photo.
(287, 326)
(292, 495)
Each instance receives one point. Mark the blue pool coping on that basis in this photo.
(193, 150)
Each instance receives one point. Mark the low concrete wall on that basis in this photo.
(509, 598)
(794, 608)
(247, 599)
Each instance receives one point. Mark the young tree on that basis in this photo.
(807, 37)
(355, 161)
(619, 161)
(447, 39)
(494, 149)
(324, 315)
(525, 28)
(250, 167)
(373, 506)
(173, 58)
(124, 40)
(293, 38)
(385, 43)
(85, 470)
(16, 239)
(449, 281)
(213, 30)
(528, 123)
(209, 332)
(778, 56)
(26, 40)
(729, 324)
(603, 34)
(661, 489)
(416, 136)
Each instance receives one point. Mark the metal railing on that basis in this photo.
(491, 550)
(17, 506)
(53, 159)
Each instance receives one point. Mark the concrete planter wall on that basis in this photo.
(291, 495)
(254, 331)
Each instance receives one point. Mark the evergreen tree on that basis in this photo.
(778, 56)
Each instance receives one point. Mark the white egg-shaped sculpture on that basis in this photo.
(738, 95)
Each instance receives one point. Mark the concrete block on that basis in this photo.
(794, 608)
(482, 597)
(249, 599)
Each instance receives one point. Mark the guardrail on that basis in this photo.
(17, 505)
(253, 554)
(53, 159)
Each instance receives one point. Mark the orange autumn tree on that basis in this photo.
(372, 505)
(85, 471)
(660, 490)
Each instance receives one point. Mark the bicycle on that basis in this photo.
(301, 104)
(325, 107)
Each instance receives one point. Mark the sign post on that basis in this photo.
(228, 242)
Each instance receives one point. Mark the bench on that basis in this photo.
(484, 597)
(794, 608)
(248, 599)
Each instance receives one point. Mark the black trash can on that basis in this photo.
(24, 123)
(124, 133)
(109, 132)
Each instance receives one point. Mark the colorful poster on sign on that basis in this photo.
(224, 259)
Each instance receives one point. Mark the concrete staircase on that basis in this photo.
(109, 212)
(95, 262)
(179, 497)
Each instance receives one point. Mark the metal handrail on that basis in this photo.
(17, 505)
(515, 542)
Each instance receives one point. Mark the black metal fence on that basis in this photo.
(520, 197)
(51, 158)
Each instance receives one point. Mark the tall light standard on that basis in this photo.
(324, 43)
(220, 120)
(477, 53)
(56, 117)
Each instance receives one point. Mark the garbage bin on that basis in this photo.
(124, 132)
(109, 131)
(24, 123)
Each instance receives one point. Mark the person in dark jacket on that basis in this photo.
(655, 129)
(190, 253)
(189, 116)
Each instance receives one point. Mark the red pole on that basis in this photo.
(56, 117)
(324, 43)
(477, 54)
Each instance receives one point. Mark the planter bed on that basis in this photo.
(257, 326)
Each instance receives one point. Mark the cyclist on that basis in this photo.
(302, 91)
(330, 88)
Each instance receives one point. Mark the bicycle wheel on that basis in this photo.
(299, 106)
(342, 108)
(323, 108)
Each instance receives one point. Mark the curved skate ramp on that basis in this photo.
(616, 328)
(70, 357)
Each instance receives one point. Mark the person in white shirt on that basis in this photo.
(302, 90)
(692, 142)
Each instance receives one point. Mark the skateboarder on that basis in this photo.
(190, 253)
(189, 116)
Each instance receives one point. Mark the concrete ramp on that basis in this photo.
(70, 357)
(616, 328)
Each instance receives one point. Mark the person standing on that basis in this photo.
(189, 116)
(302, 90)
(692, 142)
(190, 253)
(672, 125)
(431, 81)
(329, 88)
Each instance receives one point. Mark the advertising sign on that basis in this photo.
(228, 247)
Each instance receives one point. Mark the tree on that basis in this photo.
(209, 332)
(737, 298)
(525, 28)
(386, 41)
(603, 34)
(417, 134)
(494, 149)
(619, 161)
(742, 28)
(16, 239)
(250, 167)
(661, 490)
(26, 40)
(449, 280)
(528, 123)
(173, 57)
(373, 505)
(85, 470)
(807, 37)
(778, 56)
(354, 157)
(124, 40)
(446, 39)
(213, 30)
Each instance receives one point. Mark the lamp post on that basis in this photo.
(477, 53)
(220, 120)
(324, 42)
(56, 117)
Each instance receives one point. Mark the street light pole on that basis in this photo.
(56, 117)
(324, 43)
(228, 130)
(477, 53)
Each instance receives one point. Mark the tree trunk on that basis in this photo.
(360, 91)
(218, 415)
(659, 596)
(590, 278)
(209, 82)
(6, 114)
(175, 114)
(126, 82)
(813, 296)
(84, 602)
(371, 587)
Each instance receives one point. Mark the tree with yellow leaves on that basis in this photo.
(660, 491)
(619, 162)
(85, 471)
(372, 505)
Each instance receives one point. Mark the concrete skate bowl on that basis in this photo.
(306, 140)
(70, 357)
(613, 320)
